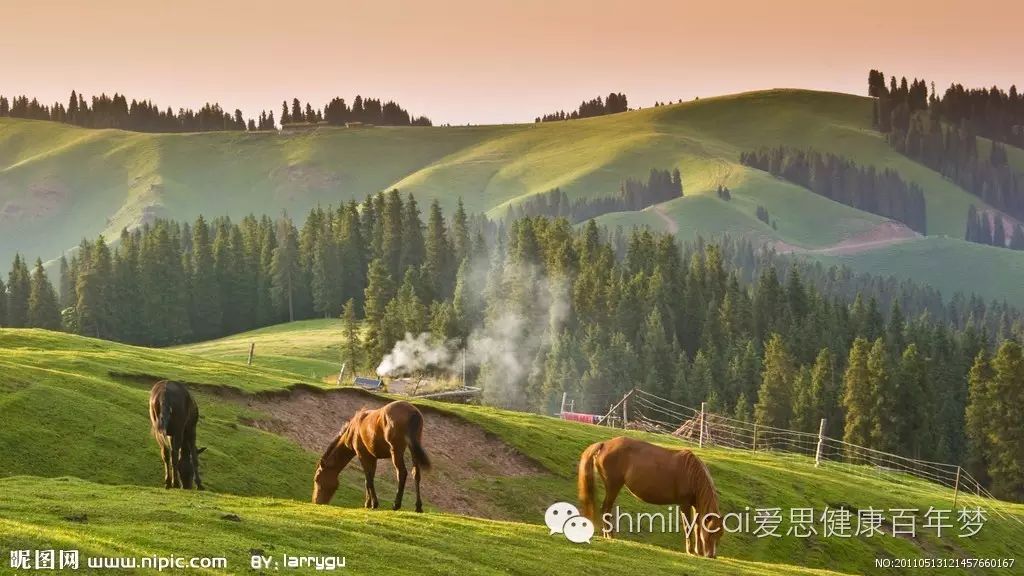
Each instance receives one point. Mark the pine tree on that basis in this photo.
(460, 233)
(1006, 423)
(164, 288)
(884, 415)
(67, 284)
(92, 288)
(775, 397)
(43, 311)
(352, 346)
(438, 253)
(285, 273)
(3, 304)
(205, 311)
(858, 398)
(413, 245)
(978, 417)
(18, 288)
(826, 391)
(379, 291)
(806, 413)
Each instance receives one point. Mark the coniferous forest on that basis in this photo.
(837, 178)
(144, 116)
(943, 134)
(613, 103)
(586, 311)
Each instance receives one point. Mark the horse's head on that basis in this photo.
(711, 533)
(188, 468)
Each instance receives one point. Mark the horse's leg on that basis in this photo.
(612, 485)
(190, 442)
(369, 463)
(175, 462)
(416, 480)
(398, 459)
(687, 518)
(165, 455)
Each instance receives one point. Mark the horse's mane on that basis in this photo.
(703, 483)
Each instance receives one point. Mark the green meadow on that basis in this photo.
(80, 470)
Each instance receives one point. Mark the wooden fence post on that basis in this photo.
(625, 413)
(252, 350)
(342, 373)
(821, 442)
(753, 441)
(956, 488)
(700, 440)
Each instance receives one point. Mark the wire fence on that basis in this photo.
(641, 410)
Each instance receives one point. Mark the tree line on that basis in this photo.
(993, 113)
(143, 116)
(883, 193)
(613, 103)
(338, 113)
(633, 195)
(595, 312)
(942, 133)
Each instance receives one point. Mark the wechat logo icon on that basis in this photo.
(564, 518)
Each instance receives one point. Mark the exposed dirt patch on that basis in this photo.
(1009, 223)
(884, 234)
(670, 225)
(461, 453)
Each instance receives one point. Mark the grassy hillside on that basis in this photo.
(76, 407)
(137, 522)
(993, 273)
(311, 348)
(59, 182)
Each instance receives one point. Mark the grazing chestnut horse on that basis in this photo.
(655, 475)
(372, 435)
(174, 416)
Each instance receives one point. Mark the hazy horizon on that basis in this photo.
(459, 62)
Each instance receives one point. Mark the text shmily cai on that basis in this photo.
(810, 522)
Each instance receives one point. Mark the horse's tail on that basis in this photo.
(164, 422)
(586, 487)
(415, 438)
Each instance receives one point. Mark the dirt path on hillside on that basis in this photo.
(671, 224)
(884, 234)
(462, 453)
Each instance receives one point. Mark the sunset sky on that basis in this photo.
(472, 61)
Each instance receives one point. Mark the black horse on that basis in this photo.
(174, 416)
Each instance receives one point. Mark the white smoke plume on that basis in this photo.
(507, 347)
(414, 354)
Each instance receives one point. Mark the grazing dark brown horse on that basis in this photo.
(372, 435)
(655, 475)
(174, 416)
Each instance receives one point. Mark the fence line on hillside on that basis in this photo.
(643, 410)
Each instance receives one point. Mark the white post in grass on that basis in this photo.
(625, 411)
(562, 409)
(700, 437)
(956, 487)
(252, 350)
(821, 442)
(342, 373)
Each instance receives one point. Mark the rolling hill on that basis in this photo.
(79, 467)
(59, 183)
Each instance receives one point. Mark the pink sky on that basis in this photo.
(473, 61)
